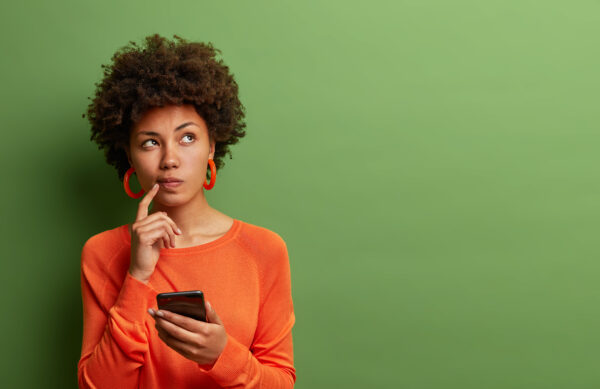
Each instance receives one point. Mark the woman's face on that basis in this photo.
(171, 143)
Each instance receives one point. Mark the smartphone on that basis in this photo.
(190, 303)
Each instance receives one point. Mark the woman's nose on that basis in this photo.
(170, 159)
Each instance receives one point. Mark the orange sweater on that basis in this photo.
(244, 274)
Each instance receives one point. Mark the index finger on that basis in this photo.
(145, 203)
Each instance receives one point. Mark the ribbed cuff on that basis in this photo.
(230, 364)
(134, 299)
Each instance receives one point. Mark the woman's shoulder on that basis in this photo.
(261, 241)
(268, 251)
(108, 242)
(255, 233)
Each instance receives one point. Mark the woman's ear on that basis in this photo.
(211, 152)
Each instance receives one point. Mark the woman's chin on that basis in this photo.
(170, 199)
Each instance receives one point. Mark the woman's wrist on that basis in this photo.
(140, 276)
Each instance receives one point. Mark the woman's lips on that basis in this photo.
(170, 184)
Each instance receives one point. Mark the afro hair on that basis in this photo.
(159, 73)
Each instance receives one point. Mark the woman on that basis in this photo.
(167, 112)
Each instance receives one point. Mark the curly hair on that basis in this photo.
(160, 73)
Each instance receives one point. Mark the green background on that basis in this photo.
(432, 166)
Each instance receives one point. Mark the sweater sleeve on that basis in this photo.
(115, 341)
(269, 362)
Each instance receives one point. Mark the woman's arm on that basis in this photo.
(114, 337)
(269, 363)
(115, 340)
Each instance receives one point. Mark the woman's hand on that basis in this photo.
(196, 340)
(149, 234)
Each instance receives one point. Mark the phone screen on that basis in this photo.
(190, 303)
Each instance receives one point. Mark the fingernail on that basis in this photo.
(179, 231)
(155, 185)
(151, 312)
(160, 314)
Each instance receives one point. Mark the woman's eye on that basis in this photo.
(148, 144)
(190, 137)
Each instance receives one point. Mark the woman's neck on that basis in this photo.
(194, 218)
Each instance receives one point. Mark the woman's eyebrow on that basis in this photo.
(185, 125)
(176, 129)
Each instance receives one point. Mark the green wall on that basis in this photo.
(432, 166)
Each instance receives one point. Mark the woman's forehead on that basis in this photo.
(168, 118)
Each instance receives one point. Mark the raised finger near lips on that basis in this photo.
(145, 203)
(142, 219)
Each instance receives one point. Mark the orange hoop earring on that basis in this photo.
(126, 185)
(213, 175)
